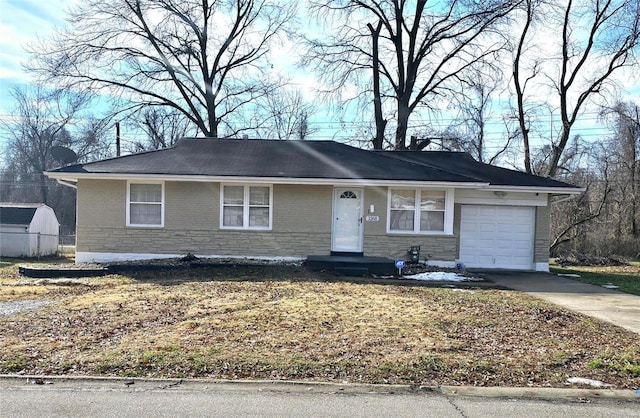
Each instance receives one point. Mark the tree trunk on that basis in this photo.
(525, 137)
(524, 130)
(635, 194)
(403, 122)
(557, 150)
(43, 189)
(212, 120)
(381, 123)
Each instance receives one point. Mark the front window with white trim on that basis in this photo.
(420, 211)
(246, 207)
(145, 204)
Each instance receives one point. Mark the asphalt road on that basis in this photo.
(19, 398)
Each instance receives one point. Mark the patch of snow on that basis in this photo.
(569, 275)
(440, 276)
(10, 307)
(610, 286)
(590, 382)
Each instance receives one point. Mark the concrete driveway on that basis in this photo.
(615, 307)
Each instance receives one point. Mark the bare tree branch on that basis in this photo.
(423, 49)
(202, 58)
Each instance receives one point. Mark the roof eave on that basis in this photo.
(536, 189)
(74, 177)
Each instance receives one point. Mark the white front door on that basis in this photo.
(347, 220)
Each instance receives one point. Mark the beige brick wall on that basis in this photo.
(302, 217)
(301, 208)
(301, 222)
(378, 243)
(543, 231)
(101, 203)
(202, 242)
(457, 219)
(191, 206)
(432, 247)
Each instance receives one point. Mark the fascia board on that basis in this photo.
(74, 177)
(535, 189)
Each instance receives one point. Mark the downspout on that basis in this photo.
(564, 199)
(68, 184)
(73, 186)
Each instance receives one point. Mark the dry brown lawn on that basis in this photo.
(287, 323)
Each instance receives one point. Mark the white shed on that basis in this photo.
(28, 230)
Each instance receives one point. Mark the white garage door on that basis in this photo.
(497, 236)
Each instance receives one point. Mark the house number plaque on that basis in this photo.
(372, 218)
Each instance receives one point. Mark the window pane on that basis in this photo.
(145, 214)
(432, 200)
(259, 217)
(232, 215)
(259, 196)
(233, 195)
(401, 220)
(431, 221)
(348, 195)
(146, 193)
(403, 199)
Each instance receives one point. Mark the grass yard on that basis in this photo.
(627, 278)
(283, 322)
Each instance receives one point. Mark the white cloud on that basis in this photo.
(22, 23)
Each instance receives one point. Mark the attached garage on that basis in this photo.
(499, 237)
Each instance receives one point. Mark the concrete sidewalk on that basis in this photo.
(615, 307)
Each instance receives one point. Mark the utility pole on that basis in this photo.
(117, 139)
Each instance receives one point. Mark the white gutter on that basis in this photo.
(66, 183)
(64, 178)
(564, 199)
(259, 180)
(534, 189)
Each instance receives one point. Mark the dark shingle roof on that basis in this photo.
(308, 160)
(461, 162)
(17, 215)
(264, 158)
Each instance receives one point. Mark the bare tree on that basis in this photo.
(41, 122)
(45, 120)
(624, 151)
(598, 38)
(572, 219)
(469, 131)
(284, 115)
(520, 81)
(380, 121)
(419, 50)
(162, 127)
(203, 58)
(601, 221)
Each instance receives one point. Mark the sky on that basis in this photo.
(25, 21)
(21, 23)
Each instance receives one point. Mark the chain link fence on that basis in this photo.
(36, 245)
